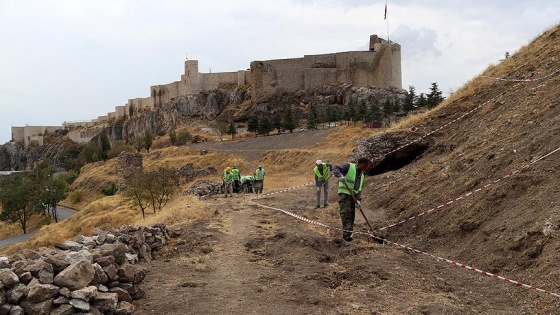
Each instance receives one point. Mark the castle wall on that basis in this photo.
(378, 67)
(36, 133)
(17, 134)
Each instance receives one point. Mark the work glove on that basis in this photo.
(342, 179)
(358, 204)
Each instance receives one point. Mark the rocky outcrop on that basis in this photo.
(96, 275)
(390, 151)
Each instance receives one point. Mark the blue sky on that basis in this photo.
(75, 60)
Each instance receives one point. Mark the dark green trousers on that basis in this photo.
(347, 211)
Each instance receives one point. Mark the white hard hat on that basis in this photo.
(319, 162)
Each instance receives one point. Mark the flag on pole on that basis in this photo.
(385, 11)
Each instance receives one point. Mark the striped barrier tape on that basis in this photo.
(466, 195)
(521, 80)
(414, 250)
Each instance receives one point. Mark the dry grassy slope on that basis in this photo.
(500, 229)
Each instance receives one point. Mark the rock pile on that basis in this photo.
(189, 172)
(94, 275)
(204, 189)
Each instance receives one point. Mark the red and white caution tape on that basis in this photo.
(521, 80)
(412, 249)
(467, 267)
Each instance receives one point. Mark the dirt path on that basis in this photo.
(252, 260)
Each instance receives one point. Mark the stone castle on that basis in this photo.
(380, 66)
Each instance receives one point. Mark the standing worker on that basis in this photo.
(322, 174)
(236, 176)
(228, 182)
(350, 175)
(258, 182)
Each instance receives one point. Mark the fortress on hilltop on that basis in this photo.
(380, 66)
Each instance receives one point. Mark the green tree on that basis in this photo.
(138, 192)
(253, 125)
(396, 105)
(434, 97)
(20, 199)
(387, 108)
(105, 144)
(312, 117)
(265, 127)
(153, 189)
(183, 137)
(232, 130)
(277, 122)
(421, 102)
(53, 190)
(289, 121)
(374, 112)
(410, 99)
(148, 139)
(362, 111)
(221, 128)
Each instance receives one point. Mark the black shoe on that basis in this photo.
(326, 205)
(317, 206)
(347, 238)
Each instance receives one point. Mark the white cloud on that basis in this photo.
(76, 60)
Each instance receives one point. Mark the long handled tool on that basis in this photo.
(358, 205)
(315, 194)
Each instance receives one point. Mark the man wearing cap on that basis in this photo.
(322, 174)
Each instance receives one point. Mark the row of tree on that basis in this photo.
(354, 111)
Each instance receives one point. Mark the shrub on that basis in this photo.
(110, 189)
(76, 196)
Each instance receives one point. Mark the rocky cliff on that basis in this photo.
(218, 105)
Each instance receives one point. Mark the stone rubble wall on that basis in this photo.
(93, 275)
(203, 189)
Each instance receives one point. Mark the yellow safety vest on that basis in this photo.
(351, 179)
(326, 173)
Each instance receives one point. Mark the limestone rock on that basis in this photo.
(125, 308)
(39, 308)
(76, 276)
(38, 292)
(85, 294)
(80, 304)
(8, 277)
(64, 309)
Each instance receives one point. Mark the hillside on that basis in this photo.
(490, 134)
(478, 178)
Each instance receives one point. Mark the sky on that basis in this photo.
(75, 60)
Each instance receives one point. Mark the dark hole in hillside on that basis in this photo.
(399, 159)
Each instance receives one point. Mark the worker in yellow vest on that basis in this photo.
(349, 175)
(228, 182)
(236, 177)
(258, 182)
(322, 173)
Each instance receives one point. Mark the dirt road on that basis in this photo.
(253, 260)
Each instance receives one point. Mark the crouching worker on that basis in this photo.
(247, 183)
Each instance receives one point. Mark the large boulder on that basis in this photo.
(76, 276)
(8, 278)
(38, 292)
(39, 308)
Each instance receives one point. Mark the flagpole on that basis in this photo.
(387, 19)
